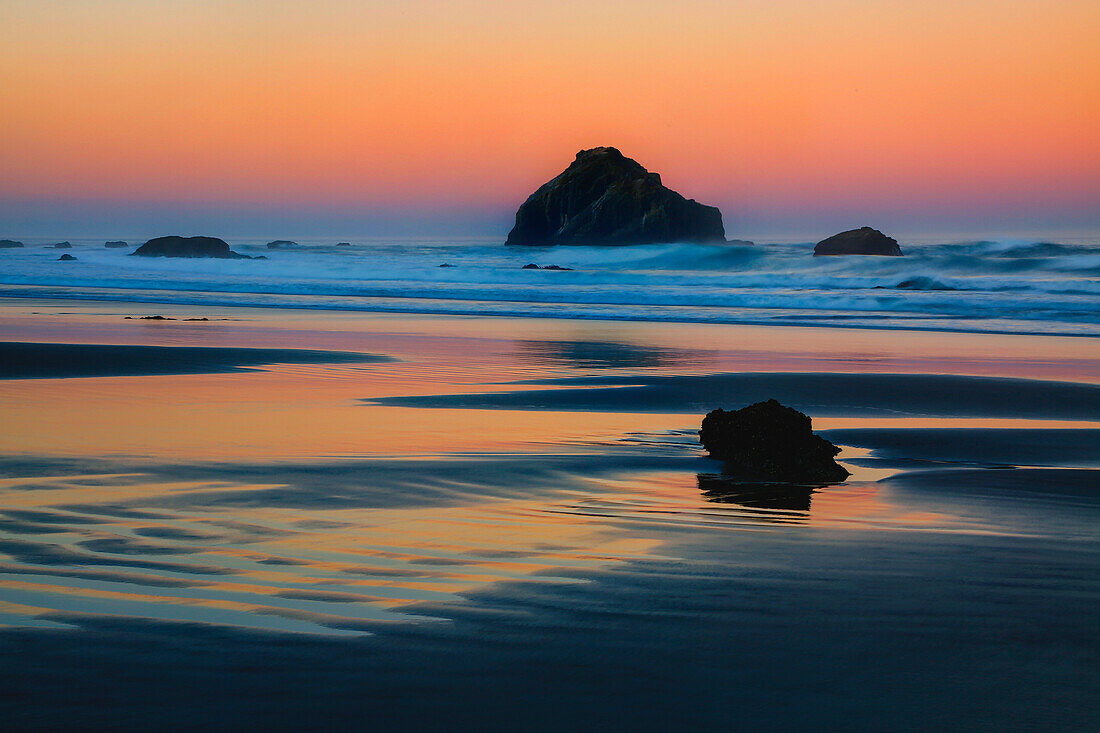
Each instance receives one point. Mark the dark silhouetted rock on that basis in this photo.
(66, 258)
(9, 244)
(862, 241)
(769, 442)
(530, 266)
(557, 267)
(282, 244)
(187, 247)
(115, 244)
(260, 257)
(604, 197)
(61, 245)
(741, 242)
(343, 244)
(446, 264)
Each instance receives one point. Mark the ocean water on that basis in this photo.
(1003, 286)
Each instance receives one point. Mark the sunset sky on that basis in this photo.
(415, 117)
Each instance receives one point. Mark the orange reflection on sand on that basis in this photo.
(381, 557)
(280, 413)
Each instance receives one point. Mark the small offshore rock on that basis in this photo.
(862, 241)
(282, 244)
(343, 244)
(446, 264)
(767, 441)
(530, 266)
(61, 245)
(66, 258)
(115, 244)
(175, 246)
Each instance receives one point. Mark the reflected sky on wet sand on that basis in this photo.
(344, 499)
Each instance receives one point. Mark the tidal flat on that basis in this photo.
(303, 519)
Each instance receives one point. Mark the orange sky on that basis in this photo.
(775, 109)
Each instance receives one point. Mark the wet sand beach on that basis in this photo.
(299, 519)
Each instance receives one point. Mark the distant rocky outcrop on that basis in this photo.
(188, 247)
(343, 244)
(767, 441)
(862, 241)
(115, 244)
(61, 245)
(66, 258)
(9, 244)
(604, 197)
(282, 244)
(533, 266)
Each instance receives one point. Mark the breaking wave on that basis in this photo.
(1002, 286)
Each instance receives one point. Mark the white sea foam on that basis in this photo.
(1015, 286)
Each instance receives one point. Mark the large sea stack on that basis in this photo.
(603, 197)
(188, 247)
(768, 441)
(862, 241)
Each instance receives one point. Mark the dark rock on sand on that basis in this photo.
(604, 197)
(767, 441)
(66, 258)
(61, 245)
(282, 244)
(115, 244)
(188, 247)
(862, 241)
(9, 244)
